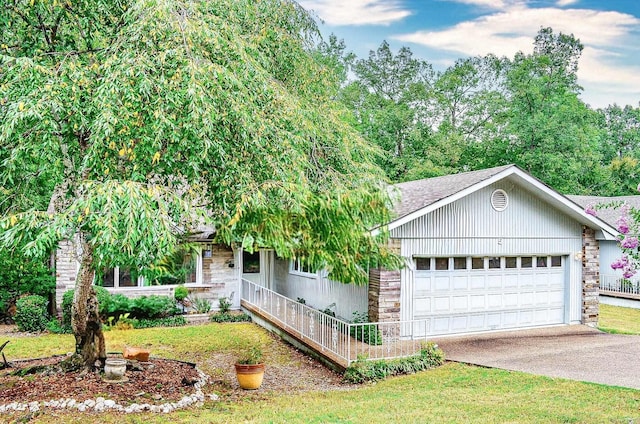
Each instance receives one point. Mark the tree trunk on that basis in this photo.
(85, 318)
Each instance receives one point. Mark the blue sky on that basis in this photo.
(441, 31)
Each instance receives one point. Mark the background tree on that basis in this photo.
(385, 96)
(152, 118)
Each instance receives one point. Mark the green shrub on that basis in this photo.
(31, 313)
(115, 306)
(369, 334)
(229, 317)
(173, 321)
(363, 370)
(180, 293)
(201, 305)
(56, 327)
(153, 306)
(224, 305)
(21, 275)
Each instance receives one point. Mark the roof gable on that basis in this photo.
(418, 198)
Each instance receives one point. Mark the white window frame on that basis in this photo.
(296, 267)
(116, 279)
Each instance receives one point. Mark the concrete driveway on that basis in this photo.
(575, 352)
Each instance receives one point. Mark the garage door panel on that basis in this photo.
(478, 301)
(460, 282)
(477, 282)
(442, 283)
(441, 304)
(494, 301)
(468, 300)
(460, 303)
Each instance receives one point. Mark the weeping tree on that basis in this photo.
(149, 119)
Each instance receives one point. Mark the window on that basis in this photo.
(119, 277)
(494, 263)
(511, 262)
(442, 264)
(541, 262)
(477, 263)
(250, 262)
(526, 262)
(298, 266)
(556, 261)
(423, 264)
(459, 263)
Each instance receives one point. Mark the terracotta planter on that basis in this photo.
(250, 376)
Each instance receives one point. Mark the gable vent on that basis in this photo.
(499, 200)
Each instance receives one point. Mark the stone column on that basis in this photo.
(590, 277)
(384, 295)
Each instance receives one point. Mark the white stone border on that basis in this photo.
(102, 405)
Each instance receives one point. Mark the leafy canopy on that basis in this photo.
(143, 120)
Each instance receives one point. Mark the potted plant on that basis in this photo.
(250, 369)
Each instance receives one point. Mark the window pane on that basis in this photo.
(541, 261)
(526, 262)
(127, 278)
(511, 262)
(108, 278)
(442, 264)
(477, 263)
(250, 262)
(423, 264)
(494, 263)
(556, 261)
(459, 263)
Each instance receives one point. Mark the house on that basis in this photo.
(610, 250)
(484, 250)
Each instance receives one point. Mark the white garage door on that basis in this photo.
(460, 295)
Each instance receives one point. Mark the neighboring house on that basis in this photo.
(610, 250)
(485, 250)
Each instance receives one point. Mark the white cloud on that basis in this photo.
(357, 12)
(506, 32)
(564, 3)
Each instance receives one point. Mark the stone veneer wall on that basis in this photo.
(384, 295)
(66, 267)
(590, 277)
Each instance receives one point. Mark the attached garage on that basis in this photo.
(489, 250)
(467, 294)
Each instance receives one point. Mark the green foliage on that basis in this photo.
(363, 370)
(224, 305)
(180, 293)
(173, 321)
(369, 334)
(153, 307)
(251, 356)
(55, 326)
(230, 317)
(201, 305)
(123, 322)
(31, 313)
(22, 275)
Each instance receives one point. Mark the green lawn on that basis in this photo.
(614, 319)
(453, 393)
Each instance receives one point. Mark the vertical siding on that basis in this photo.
(471, 227)
(320, 292)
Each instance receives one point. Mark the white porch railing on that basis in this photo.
(335, 338)
(617, 284)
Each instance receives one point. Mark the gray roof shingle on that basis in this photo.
(608, 215)
(415, 195)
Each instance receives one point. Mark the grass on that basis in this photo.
(453, 393)
(619, 320)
